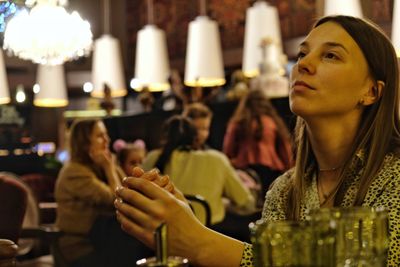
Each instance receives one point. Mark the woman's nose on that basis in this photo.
(306, 65)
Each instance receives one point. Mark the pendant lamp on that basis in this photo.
(52, 86)
(262, 21)
(4, 91)
(396, 27)
(343, 7)
(107, 67)
(204, 66)
(152, 65)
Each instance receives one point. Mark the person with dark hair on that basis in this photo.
(201, 116)
(198, 172)
(345, 92)
(84, 192)
(257, 138)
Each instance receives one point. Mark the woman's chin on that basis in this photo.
(299, 110)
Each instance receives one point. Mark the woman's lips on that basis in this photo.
(300, 85)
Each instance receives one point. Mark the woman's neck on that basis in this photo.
(331, 142)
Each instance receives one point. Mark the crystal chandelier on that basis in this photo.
(48, 34)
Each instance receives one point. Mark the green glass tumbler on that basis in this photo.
(282, 244)
(350, 237)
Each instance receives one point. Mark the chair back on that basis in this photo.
(13, 203)
(31, 217)
(201, 208)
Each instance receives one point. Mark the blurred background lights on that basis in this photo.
(87, 87)
(20, 96)
(36, 88)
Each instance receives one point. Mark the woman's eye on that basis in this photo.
(300, 55)
(331, 56)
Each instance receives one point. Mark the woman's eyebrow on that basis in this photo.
(305, 44)
(334, 44)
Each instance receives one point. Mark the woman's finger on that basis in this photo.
(152, 175)
(139, 217)
(137, 200)
(136, 230)
(137, 171)
(147, 188)
(170, 188)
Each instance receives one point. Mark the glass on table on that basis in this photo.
(282, 244)
(350, 237)
(162, 259)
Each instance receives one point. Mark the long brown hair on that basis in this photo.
(251, 108)
(79, 140)
(378, 133)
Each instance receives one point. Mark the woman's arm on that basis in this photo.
(143, 206)
(230, 144)
(106, 160)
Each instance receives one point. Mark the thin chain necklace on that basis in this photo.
(327, 196)
(330, 169)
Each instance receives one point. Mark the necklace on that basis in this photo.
(327, 196)
(330, 169)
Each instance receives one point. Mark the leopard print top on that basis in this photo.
(383, 192)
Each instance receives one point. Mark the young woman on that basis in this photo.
(257, 138)
(85, 192)
(345, 92)
(198, 172)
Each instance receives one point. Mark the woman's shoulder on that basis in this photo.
(73, 170)
(150, 159)
(391, 167)
(208, 155)
(282, 182)
(154, 153)
(212, 153)
(276, 198)
(73, 166)
(387, 181)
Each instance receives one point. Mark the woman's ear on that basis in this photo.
(374, 93)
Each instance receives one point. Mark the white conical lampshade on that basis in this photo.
(4, 91)
(53, 90)
(343, 7)
(204, 66)
(152, 65)
(396, 27)
(262, 21)
(107, 67)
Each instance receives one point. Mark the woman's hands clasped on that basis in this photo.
(149, 199)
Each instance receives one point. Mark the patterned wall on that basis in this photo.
(173, 16)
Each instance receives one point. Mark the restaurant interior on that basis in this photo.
(114, 60)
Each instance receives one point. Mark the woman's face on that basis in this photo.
(99, 139)
(330, 77)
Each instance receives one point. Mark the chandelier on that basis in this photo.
(47, 34)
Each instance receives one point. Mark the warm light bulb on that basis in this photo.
(87, 87)
(20, 96)
(36, 88)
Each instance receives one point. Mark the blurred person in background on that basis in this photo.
(85, 192)
(130, 155)
(257, 138)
